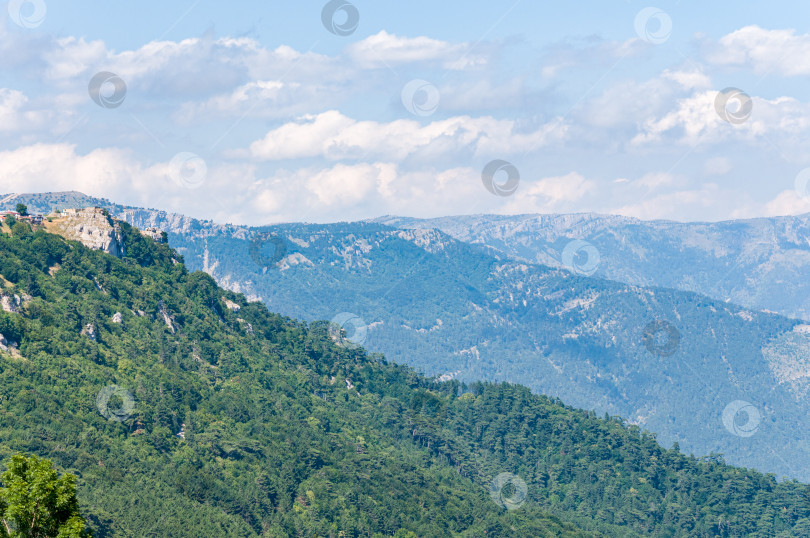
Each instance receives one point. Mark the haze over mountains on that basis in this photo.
(471, 311)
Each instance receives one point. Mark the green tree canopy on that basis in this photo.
(22, 209)
(36, 502)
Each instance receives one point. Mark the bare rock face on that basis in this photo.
(93, 227)
(11, 302)
(168, 319)
(116, 317)
(231, 305)
(89, 331)
(8, 346)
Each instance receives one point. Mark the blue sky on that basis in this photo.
(254, 112)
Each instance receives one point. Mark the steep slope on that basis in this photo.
(711, 376)
(451, 310)
(183, 417)
(189, 411)
(758, 263)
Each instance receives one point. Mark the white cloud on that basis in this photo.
(116, 174)
(628, 104)
(260, 99)
(764, 51)
(52, 167)
(694, 79)
(336, 137)
(692, 117)
(787, 203)
(384, 49)
(693, 120)
(362, 190)
(13, 116)
(191, 67)
(551, 191)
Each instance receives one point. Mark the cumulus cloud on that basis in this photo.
(260, 99)
(384, 50)
(693, 120)
(550, 194)
(362, 190)
(787, 202)
(116, 174)
(190, 67)
(15, 114)
(764, 51)
(335, 149)
(334, 136)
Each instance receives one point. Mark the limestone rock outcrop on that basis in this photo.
(91, 226)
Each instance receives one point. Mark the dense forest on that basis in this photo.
(185, 410)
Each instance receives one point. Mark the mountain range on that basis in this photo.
(760, 263)
(186, 409)
(703, 372)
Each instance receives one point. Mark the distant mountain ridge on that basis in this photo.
(677, 363)
(761, 263)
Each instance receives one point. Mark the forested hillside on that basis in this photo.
(186, 410)
(457, 310)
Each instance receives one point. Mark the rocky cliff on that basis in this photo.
(92, 226)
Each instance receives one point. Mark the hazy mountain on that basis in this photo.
(187, 410)
(758, 263)
(712, 376)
